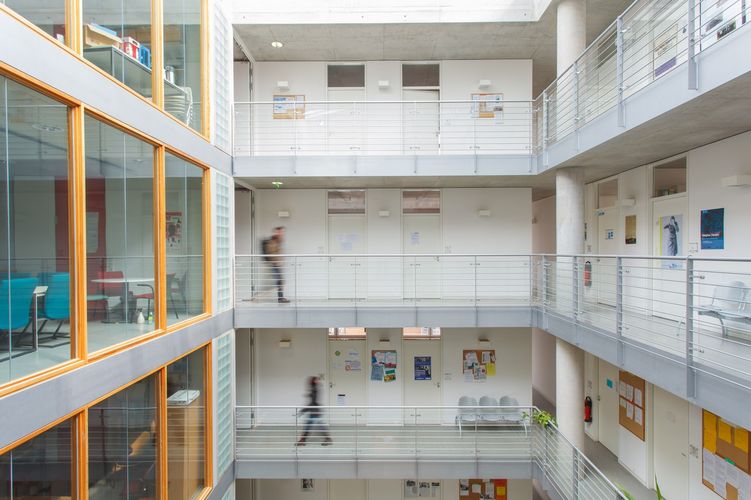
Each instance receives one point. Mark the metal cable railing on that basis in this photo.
(646, 42)
(692, 311)
(451, 434)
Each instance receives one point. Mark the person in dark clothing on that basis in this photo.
(272, 253)
(314, 421)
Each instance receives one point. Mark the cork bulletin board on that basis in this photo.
(483, 489)
(632, 403)
(726, 462)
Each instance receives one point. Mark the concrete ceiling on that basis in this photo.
(421, 42)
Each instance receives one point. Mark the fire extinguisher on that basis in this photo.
(588, 274)
(588, 409)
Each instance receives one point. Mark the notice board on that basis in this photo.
(483, 489)
(725, 458)
(632, 403)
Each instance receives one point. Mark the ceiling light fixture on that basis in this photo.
(277, 184)
(277, 45)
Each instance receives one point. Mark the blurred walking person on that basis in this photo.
(272, 253)
(314, 422)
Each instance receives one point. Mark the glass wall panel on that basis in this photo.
(182, 60)
(117, 38)
(40, 469)
(186, 420)
(34, 231)
(49, 15)
(119, 235)
(185, 266)
(123, 444)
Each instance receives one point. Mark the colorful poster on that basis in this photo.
(713, 229)
(288, 107)
(670, 240)
(478, 364)
(423, 368)
(631, 230)
(487, 106)
(383, 366)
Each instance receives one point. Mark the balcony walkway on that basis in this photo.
(399, 442)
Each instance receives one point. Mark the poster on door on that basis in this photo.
(383, 366)
(174, 229)
(478, 364)
(483, 489)
(670, 240)
(713, 229)
(423, 368)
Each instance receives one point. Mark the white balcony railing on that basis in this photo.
(695, 311)
(383, 128)
(448, 434)
(648, 41)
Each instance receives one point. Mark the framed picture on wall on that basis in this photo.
(307, 485)
(289, 107)
(487, 106)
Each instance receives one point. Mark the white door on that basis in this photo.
(607, 385)
(421, 118)
(348, 489)
(348, 364)
(422, 379)
(670, 446)
(608, 243)
(421, 236)
(347, 275)
(669, 276)
(345, 116)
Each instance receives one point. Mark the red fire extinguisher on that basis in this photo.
(588, 274)
(588, 409)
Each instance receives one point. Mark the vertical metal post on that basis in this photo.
(576, 103)
(416, 429)
(357, 437)
(693, 74)
(544, 137)
(474, 280)
(619, 70)
(575, 474)
(575, 291)
(690, 373)
(544, 282)
(530, 283)
(619, 307)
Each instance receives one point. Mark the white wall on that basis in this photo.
(243, 223)
(511, 77)
(281, 372)
(507, 230)
(244, 367)
(513, 350)
(543, 225)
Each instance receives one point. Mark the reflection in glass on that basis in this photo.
(123, 444)
(182, 60)
(117, 38)
(40, 468)
(184, 185)
(186, 420)
(34, 252)
(119, 235)
(49, 15)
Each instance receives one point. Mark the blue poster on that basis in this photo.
(713, 229)
(422, 368)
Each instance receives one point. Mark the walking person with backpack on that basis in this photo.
(272, 253)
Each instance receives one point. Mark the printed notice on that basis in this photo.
(709, 468)
(629, 392)
(721, 475)
(637, 397)
(622, 389)
(638, 415)
(629, 410)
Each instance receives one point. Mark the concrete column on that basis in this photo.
(569, 359)
(571, 32)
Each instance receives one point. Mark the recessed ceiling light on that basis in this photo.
(277, 184)
(277, 45)
(46, 128)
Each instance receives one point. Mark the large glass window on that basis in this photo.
(186, 426)
(41, 468)
(123, 444)
(49, 15)
(185, 266)
(119, 235)
(117, 38)
(34, 232)
(182, 60)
